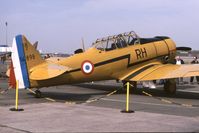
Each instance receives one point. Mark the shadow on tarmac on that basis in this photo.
(64, 97)
(158, 92)
(78, 97)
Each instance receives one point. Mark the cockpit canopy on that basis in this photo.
(117, 41)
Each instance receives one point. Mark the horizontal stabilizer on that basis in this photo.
(46, 71)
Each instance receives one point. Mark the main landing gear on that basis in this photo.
(170, 86)
(38, 94)
(133, 84)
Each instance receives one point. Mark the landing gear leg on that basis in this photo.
(38, 94)
(133, 85)
(170, 86)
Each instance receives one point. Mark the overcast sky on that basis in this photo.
(59, 25)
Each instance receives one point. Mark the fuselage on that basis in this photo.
(100, 64)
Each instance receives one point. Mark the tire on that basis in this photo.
(170, 86)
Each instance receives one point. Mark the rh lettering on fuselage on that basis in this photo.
(141, 53)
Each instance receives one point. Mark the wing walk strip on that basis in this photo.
(115, 91)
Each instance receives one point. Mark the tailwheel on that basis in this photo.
(38, 94)
(170, 86)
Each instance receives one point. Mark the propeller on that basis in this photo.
(184, 48)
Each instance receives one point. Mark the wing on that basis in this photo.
(162, 71)
(46, 71)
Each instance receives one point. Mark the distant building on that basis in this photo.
(5, 49)
(188, 56)
(189, 53)
(48, 55)
(195, 53)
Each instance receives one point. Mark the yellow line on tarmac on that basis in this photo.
(70, 102)
(31, 91)
(49, 99)
(89, 101)
(111, 93)
(3, 91)
(147, 94)
(166, 101)
(187, 105)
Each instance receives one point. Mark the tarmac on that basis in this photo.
(57, 117)
(103, 115)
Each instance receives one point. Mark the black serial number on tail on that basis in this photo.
(141, 53)
(30, 57)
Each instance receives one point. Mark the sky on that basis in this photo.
(59, 25)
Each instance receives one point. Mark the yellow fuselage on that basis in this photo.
(111, 64)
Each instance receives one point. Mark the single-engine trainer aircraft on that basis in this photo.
(125, 57)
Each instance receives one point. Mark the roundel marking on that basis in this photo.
(87, 67)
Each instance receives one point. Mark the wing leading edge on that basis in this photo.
(163, 71)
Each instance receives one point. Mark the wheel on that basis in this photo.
(170, 86)
(38, 94)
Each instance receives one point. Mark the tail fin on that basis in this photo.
(24, 57)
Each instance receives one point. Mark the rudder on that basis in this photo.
(24, 57)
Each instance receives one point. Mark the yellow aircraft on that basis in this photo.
(124, 57)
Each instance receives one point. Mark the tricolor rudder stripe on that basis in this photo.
(19, 62)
